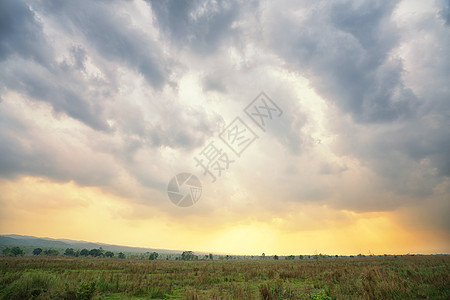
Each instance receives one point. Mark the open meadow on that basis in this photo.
(403, 277)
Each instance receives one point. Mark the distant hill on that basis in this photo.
(11, 240)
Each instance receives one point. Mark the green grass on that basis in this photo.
(99, 278)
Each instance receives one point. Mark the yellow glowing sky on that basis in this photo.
(40, 207)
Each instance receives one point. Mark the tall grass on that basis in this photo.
(100, 278)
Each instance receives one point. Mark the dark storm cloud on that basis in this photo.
(445, 12)
(21, 33)
(28, 66)
(98, 34)
(343, 48)
(52, 86)
(28, 58)
(111, 34)
(201, 25)
(346, 49)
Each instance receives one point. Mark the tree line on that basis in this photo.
(17, 251)
(186, 255)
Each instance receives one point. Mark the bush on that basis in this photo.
(28, 286)
(69, 252)
(86, 291)
(51, 252)
(153, 256)
(37, 251)
(276, 290)
(14, 251)
(320, 295)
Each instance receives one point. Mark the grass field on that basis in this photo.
(406, 277)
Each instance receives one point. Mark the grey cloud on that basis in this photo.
(445, 12)
(79, 56)
(21, 33)
(343, 48)
(410, 159)
(170, 123)
(421, 142)
(433, 214)
(52, 86)
(112, 36)
(346, 50)
(200, 25)
(189, 128)
(97, 158)
(211, 83)
(25, 150)
(327, 168)
(28, 66)
(25, 49)
(288, 128)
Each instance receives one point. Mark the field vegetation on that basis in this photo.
(47, 277)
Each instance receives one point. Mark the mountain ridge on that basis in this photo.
(46, 242)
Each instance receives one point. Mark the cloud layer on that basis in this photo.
(121, 96)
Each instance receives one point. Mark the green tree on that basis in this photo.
(121, 255)
(263, 255)
(6, 251)
(109, 254)
(153, 256)
(69, 252)
(14, 251)
(187, 255)
(51, 252)
(37, 251)
(275, 257)
(17, 251)
(96, 252)
(84, 252)
(210, 256)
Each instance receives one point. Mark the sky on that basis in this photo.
(310, 126)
